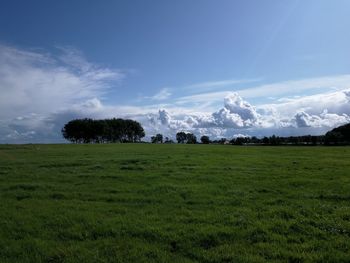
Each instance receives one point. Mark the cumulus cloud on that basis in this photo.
(303, 115)
(164, 117)
(237, 113)
(347, 95)
(325, 119)
(324, 110)
(236, 105)
(334, 102)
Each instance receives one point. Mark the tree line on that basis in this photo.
(121, 130)
(189, 138)
(272, 140)
(277, 140)
(102, 131)
(337, 136)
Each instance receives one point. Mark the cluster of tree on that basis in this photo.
(158, 138)
(338, 136)
(101, 131)
(183, 137)
(205, 139)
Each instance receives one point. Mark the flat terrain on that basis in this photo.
(174, 203)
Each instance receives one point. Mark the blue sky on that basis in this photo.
(220, 68)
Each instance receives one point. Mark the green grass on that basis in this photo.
(174, 203)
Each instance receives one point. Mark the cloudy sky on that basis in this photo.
(218, 68)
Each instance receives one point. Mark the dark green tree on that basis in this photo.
(181, 137)
(205, 139)
(191, 138)
(157, 139)
(99, 131)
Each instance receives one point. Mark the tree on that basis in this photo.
(265, 140)
(191, 138)
(222, 140)
(334, 137)
(181, 137)
(239, 141)
(79, 131)
(274, 140)
(70, 131)
(339, 135)
(313, 140)
(254, 139)
(205, 139)
(157, 139)
(167, 140)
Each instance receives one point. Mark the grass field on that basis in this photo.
(174, 203)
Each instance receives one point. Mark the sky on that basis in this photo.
(218, 68)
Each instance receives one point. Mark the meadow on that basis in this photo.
(174, 203)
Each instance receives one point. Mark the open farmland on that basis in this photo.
(174, 203)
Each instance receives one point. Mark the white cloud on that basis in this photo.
(34, 85)
(297, 86)
(293, 87)
(302, 115)
(163, 94)
(92, 104)
(325, 119)
(239, 135)
(40, 92)
(236, 105)
(219, 83)
(236, 117)
(164, 117)
(333, 102)
(40, 83)
(237, 113)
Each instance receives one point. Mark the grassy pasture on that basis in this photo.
(174, 203)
